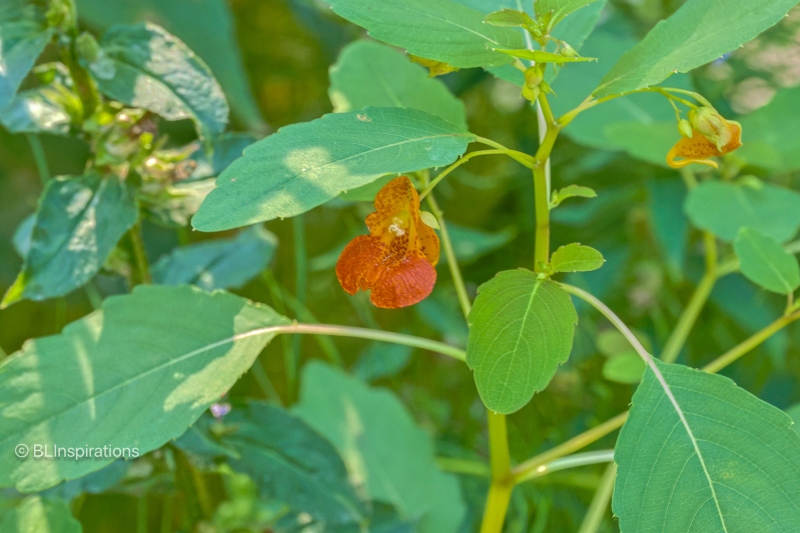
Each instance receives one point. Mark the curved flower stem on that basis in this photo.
(521, 157)
(602, 496)
(443, 174)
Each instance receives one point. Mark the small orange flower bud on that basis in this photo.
(396, 260)
(710, 135)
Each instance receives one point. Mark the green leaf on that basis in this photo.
(78, 223)
(571, 191)
(764, 261)
(50, 108)
(218, 264)
(132, 375)
(382, 360)
(559, 8)
(521, 329)
(23, 37)
(700, 454)
(307, 164)
(381, 446)
(544, 57)
(37, 514)
(698, 33)
(471, 244)
(207, 28)
(292, 463)
(724, 208)
(144, 66)
(511, 18)
(794, 413)
(772, 141)
(624, 368)
(373, 74)
(576, 258)
(462, 39)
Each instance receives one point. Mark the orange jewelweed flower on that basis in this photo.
(396, 260)
(712, 136)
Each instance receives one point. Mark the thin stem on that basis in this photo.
(688, 318)
(452, 262)
(301, 270)
(597, 509)
(444, 173)
(520, 157)
(529, 469)
(141, 514)
(93, 294)
(572, 461)
(39, 158)
(303, 313)
(463, 466)
(142, 276)
(278, 302)
(264, 383)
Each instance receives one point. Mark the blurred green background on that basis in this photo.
(272, 58)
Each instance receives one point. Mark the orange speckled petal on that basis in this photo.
(404, 282)
(428, 242)
(698, 149)
(360, 264)
(395, 197)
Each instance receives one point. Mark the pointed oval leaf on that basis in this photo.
(292, 463)
(576, 258)
(305, 165)
(462, 39)
(132, 375)
(698, 33)
(145, 66)
(521, 329)
(373, 74)
(510, 17)
(23, 36)
(764, 261)
(724, 208)
(559, 8)
(699, 454)
(218, 264)
(38, 514)
(77, 224)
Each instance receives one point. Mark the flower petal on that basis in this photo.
(428, 242)
(404, 282)
(360, 264)
(697, 148)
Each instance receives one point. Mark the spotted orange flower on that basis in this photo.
(396, 260)
(711, 136)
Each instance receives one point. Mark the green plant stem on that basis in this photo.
(301, 273)
(264, 383)
(444, 173)
(39, 157)
(304, 313)
(166, 515)
(452, 262)
(141, 266)
(521, 157)
(94, 296)
(141, 514)
(277, 295)
(463, 466)
(529, 469)
(602, 496)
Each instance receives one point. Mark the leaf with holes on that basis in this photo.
(699, 454)
(521, 329)
(134, 374)
(764, 262)
(305, 165)
(462, 39)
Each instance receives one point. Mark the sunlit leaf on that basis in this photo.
(700, 454)
(305, 165)
(78, 223)
(146, 364)
(462, 39)
(576, 258)
(23, 37)
(699, 32)
(764, 261)
(144, 66)
(368, 73)
(521, 329)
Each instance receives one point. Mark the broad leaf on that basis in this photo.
(764, 261)
(49, 108)
(132, 375)
(626, 368)
(382, 447)
(521, 329)
(292, 463)
(218, 264)
(724, 208)
(510, 17)
(698, 33)
(576, 258)
(144, 66)
(699, 454)
(381, 360)
(23, 37)
(559, 8)
(207, 28)
(771, 141)
(471, 244)
(78, 223)
(372, 74)
(462, 39)
(305, 165)
(37, 514)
